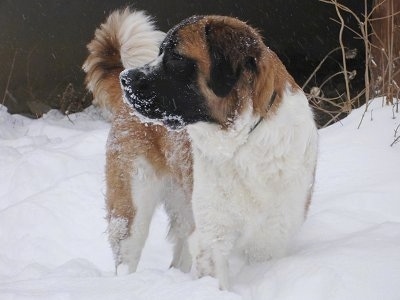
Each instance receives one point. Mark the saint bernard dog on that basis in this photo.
(215, 128)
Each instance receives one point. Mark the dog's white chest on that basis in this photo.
(251, 190)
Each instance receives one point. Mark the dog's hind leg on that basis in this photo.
(181, 259)
(178, 207)
(120, 208)
(131, 197)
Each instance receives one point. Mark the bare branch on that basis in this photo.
(346, 78)
(319, 66)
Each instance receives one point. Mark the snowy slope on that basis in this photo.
(52, 228)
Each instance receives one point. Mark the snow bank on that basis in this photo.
(52, 228)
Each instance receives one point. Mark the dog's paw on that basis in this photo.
(122, 270)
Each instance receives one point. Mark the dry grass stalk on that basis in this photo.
(71, 101)
(6, 91)
(366, 32)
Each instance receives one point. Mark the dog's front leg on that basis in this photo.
(210, 252)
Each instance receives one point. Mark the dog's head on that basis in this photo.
(209, 68)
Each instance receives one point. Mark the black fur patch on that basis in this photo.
(232, 50)
(223, 76)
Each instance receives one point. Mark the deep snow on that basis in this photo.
(52, 228)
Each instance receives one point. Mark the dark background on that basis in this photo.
(43, 42)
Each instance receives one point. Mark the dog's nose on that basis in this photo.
(124, 79)
(135, 79)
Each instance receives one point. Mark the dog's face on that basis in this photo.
(208, 69)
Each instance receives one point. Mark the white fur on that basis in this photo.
(251, 187)
(150, 189)
(139, 40)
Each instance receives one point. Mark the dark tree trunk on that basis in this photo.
(385, 61)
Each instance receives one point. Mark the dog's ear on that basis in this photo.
(224, 70)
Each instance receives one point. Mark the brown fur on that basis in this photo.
(271, 75)
(103, 65)
(129, 139)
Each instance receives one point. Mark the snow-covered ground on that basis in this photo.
(52, 228)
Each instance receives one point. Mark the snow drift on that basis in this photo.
(52, 228)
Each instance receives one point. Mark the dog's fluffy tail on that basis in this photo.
(128, 39)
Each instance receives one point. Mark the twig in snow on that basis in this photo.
(396, 138)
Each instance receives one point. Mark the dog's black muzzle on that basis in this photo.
(163, 96)
(140, 91)
(141, 88)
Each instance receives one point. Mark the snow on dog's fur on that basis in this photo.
(234, 156)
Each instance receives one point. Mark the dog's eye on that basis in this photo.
(178, 64)
(175, 57)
